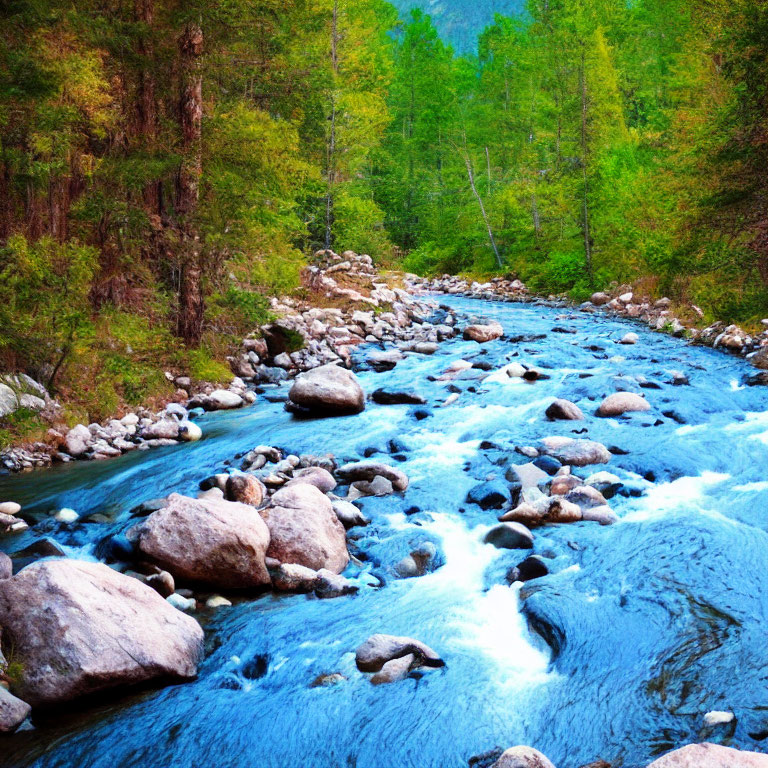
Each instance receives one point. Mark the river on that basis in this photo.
(650, 622)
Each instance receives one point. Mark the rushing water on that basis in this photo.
(649, 623)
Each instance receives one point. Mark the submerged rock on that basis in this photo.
(579, 453)
(208, 541)
(78, 627)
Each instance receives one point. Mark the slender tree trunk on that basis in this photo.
(488, 168)
(144, 11)
(471, 175)
(6, 202)
(584, 161)
(331, 159)
(191, 303)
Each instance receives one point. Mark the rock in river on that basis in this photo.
(509, 536)
(13, 711)
(368, 470)
(522, 757)
(622, 402)
(483, 333)
(377, 650)
(564, 410)
(78, 627)
(579, 453)
(304, 529)
(208, 541)
(710, 756)
(326, 391)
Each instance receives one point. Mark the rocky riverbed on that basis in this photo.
(536, 532)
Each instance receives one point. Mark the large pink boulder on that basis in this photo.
(305, 530)
(207, 541)
(77, 627)
(710, 756)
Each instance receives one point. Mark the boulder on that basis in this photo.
(394, 670)
(509, 536)
(13, 711)
(189, 432)
(629, 338)
(489, 495)
(622, 402)
(368, 470)
(564, 410)
(247, 489)
(207, 541)
(331, 584)
(522, 757)
(533, 567)
(304, 529)
(78, 440)
(327, 390)
(599, 298)
(79, 627)
(164, 429)
(377, 650)
(321, 478)
(291, 577)
(579, 453)
(483, 333)
(710, 756)
(222, 400)
(6, 566)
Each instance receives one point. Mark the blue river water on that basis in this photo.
(639, 629)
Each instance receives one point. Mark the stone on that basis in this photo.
(66, 515)
(378, 649)
(163, 583)
(586, 496)
(291, 577)
(217, 601)
(6, 566)
(80, 627)
(533, 567)
(522, 757)
(246, 489)
(381, 360)
(599, 298)
(328, 390)
(368, 470)
(331, 585)
(622, 402)
(528, 475)
(629, 338)
(189, 432)
(490, 495)
(10, 508)
(181, 603)
(717, 717)
(483, 333)
(321, 478)
(222, 400)
(78, 440)
(13, 711)
(349, 515)
(394, 670)
(564, 410)
(164, 429)
(207, 541)
(511, 535)
(304, 529)
(384, 396)
(579, 453)
(710, 756)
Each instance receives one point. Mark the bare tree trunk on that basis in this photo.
(331, 159)
(584, 160)
(6, 202)
(471, 175)
(144, 11)
(191, 304)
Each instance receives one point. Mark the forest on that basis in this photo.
(167, 166)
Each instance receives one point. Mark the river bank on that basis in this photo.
(618, 624)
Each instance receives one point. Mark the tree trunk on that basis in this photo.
(144, 11)
(471, 175)
(331, 158)
(584, 161)
(191, 304)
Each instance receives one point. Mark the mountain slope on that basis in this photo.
(461, 21)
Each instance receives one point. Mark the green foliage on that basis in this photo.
(203, 367)
(22, 422)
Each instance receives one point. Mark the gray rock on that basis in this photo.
(512, 535)
(522, 757)
(622, 402)
(564, 410)
(78, 440)
(368, 470)
(328, 390)
(377, 650)
(13, 711)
